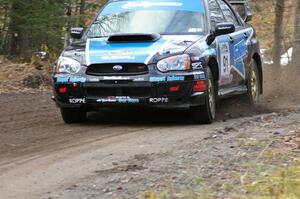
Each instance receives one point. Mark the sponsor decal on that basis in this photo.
(157, 79)
(115, 78)
(77, 79)
(195, 58)
(77, 101)
(122, 100)
(195, 30)
(197, 65)
(70, 79)
(107, 100)
(127, 100)
(118, 57)
(199, 75)
(159, 100)
(119, 54)
(175, 78)
(124, 6)
(62, 79)
(94, 79)
(139, 79)
(147, 4)
(226, 76)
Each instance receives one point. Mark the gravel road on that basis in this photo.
(132, 153)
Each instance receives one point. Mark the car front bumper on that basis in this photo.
(163, 91)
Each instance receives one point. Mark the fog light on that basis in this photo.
(200, 86)
(63, 90)
(174, 88)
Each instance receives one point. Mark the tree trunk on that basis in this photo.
(296, 50)
(82, 12)
(20, 43)
(68, 24)
(278, 34)
(82, 7)
(3, 31)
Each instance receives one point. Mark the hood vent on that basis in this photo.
(134, 37)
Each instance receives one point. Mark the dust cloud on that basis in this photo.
(281, 93)
(282, 86)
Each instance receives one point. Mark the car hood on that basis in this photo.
(99, 50)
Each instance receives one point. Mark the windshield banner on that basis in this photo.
(127, 6)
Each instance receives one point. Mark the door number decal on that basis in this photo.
(225, 61)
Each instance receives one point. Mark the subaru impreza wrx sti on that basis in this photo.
(159, 53)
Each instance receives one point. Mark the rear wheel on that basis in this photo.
(253, 85)
(73, 115)
(206, 113)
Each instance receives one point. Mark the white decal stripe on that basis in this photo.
(242, 75)
(87, 52)
(164, 46)
(150, 57)
(250, 37)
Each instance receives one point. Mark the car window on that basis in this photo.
(216, 15)
(229, 16)
(159, 16)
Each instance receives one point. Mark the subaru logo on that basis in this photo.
(118, 68)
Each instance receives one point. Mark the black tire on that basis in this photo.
(73, 115)
(206, 113)
(253, 84)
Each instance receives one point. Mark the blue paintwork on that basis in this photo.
(100, 51)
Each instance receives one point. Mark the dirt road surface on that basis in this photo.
(131, 153)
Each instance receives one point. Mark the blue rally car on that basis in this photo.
(159, 53)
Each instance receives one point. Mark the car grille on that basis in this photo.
(108, 69)
(119, 91)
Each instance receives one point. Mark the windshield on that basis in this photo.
(155, 17)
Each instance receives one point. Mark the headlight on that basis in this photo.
(175, 63)
(67, 65)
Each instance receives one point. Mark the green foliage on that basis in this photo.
(284, 183)
(28, 26)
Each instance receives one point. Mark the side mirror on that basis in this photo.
(76, 33)
(224, 28)
(220, 29)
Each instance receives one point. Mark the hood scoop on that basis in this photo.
(134, 37)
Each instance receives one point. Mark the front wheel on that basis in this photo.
(206, 113)
(253, 84)
(73, 115)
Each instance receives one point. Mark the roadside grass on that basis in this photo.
(283, 183)
(273, 174)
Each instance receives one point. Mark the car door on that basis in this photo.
(231, 48)
(238, 42)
